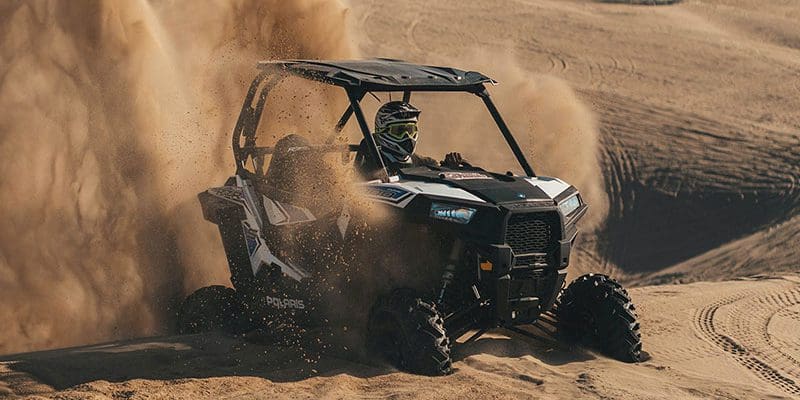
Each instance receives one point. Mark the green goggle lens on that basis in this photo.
(401, 131)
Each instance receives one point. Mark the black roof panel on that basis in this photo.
(383, 75)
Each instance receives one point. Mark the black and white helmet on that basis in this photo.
(396, 130)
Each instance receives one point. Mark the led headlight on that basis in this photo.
(452, 213)
(569, 205)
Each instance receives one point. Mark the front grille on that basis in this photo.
(533, 232)
(535, 260)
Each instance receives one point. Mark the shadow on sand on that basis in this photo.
(504, 343)
(178, 357)
(219, 355)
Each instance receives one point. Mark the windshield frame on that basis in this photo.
(252, 109)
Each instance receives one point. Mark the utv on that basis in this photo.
(500, 242)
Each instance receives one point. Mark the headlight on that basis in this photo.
(569, 205)
(452, 213)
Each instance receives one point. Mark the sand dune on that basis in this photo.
(734, 339)
(699, 147)
(698, 105)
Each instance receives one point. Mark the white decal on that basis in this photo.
(416, 187)
(457, 176)
(552, 187)
(284, 214)
(260, 253)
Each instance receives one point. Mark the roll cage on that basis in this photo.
(357, 78)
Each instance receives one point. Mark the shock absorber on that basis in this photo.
(450, 267)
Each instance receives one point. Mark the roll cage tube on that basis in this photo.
(249, 117)
(355, 106)
(355, 99)
(484, 95)
(245, 115)
(348, 112)
(251, 113)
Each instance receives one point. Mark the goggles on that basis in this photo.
(401, 131)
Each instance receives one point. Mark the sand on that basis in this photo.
(699, 119)
(733, 339)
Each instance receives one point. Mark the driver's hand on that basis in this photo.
(452, 160)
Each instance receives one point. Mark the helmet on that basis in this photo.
(396, 130)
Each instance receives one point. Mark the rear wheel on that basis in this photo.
(210, 308)
(410, 333)
(597, 311)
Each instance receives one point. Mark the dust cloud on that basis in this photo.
(556, 131)
(114, 115)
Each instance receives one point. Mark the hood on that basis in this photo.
(492, 188)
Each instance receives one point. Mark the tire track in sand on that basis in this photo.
(556, 63)
(738, 325)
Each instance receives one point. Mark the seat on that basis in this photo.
(301, 177)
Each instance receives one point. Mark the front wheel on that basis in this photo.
(596, 310)
(410, 333)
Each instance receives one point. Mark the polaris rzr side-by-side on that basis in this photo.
(488, 250)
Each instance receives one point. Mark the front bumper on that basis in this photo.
(522, 292)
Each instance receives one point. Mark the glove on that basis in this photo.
(452, 160)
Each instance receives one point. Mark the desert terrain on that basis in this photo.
(731, 340)
(697, 114)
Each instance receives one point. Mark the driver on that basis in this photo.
(396, 134)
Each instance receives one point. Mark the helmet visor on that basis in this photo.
(402, 131)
